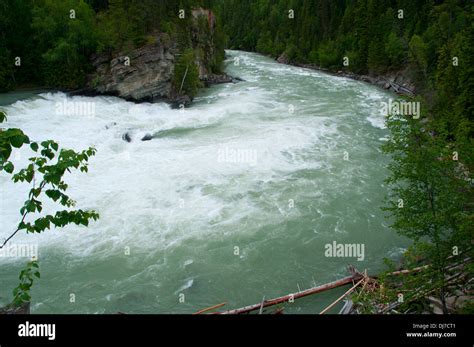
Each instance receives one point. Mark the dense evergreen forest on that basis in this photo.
(50, 42)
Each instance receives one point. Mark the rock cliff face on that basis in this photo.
(145, 73)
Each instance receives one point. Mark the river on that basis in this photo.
(233, 199)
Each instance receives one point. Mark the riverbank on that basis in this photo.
(175, 100)
(396, 81)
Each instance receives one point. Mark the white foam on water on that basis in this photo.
(138, 187)
(188, 284)
(151, 193)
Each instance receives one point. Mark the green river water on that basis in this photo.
(234, 199)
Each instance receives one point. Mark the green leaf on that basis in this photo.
(29, 175)
(35, 192)
(47, 153)
(30, 206)
(53, 194)
(8, 167)
(5, 151)
(3, 117)
(34, 146)
(41, 224)
(18, 140)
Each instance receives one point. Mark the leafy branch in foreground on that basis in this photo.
(45, 171)
(22, 292)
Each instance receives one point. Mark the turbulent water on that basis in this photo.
(232, 200)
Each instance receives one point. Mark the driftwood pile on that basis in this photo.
(356, 279)
(361, 283)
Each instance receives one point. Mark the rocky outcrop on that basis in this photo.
(219, 79)
(283, 59)
(397, 82)
(145, 74)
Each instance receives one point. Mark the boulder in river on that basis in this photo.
(127, 137)
(181, 101)
(212, 79)
(110, 125)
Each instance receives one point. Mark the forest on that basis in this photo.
(49, 43)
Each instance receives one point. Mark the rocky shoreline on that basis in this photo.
(176, 101)
(397, 82)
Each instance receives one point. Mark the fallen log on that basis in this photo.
(406, 272)
(210, 308)
(356, 276)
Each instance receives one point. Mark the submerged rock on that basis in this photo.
(108, 126)
(147, 137)
(181, 101)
